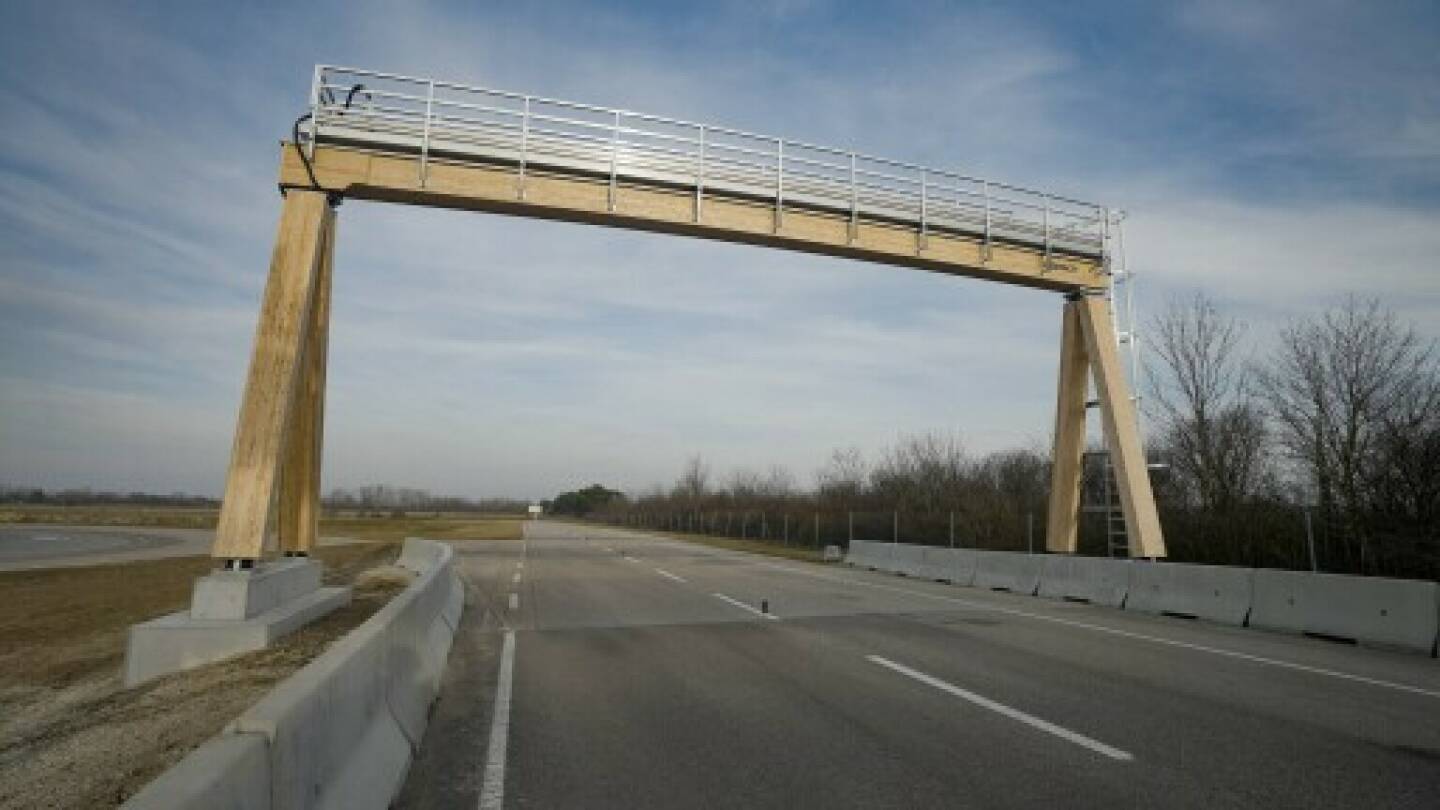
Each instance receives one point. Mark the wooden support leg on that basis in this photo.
(1062, 526)
(265, 410)
(299, 524)
(1122, 432)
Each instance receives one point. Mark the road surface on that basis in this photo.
(30, 546)
(597, 668)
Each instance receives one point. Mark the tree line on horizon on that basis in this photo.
(1325, 452)
(371, 497)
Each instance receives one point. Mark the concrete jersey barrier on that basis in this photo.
(1213, 592)
(1368, 610)
(908, 560)
(340, 732)
(1097, 580)
(953, 565)
(864, 553)
(1008, 571)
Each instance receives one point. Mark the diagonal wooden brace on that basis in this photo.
(299, 520)
(1062, 525)
(1088, 344)
(267, 409)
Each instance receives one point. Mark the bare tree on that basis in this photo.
(1337, 383)
(694, 483)
(924, 473)
(1212, 429)
(842, 480)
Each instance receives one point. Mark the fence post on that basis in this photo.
(1310, 540)
(895, 527)
(850, 517)
(785, 535)
(952, 529)
(817, 529)
(1030, 530)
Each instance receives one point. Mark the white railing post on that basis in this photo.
(854, 202)
(315, 82)
(924, 200)
(779, 182)
(985, 192)
(700, 175)
(425, 137)
(1046, 200)
(524, 146)
(614, 158)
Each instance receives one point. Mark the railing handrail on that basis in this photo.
(899, 184)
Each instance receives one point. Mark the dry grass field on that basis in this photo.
(354, 525)
(71, 735)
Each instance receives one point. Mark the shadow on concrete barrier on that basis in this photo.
(1011, 571)
(1097, 580)
(1366, 610)
(339, 733)
(1214, 592)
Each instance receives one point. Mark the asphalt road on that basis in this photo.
(642, 673)
(27, 546)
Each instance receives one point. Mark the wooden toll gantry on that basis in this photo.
(382, 137)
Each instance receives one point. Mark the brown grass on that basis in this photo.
(353, 525)
(71, 735)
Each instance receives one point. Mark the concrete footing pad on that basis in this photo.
(231, 612)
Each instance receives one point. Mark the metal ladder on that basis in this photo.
(1103, 497)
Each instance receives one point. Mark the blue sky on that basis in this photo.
(1279, 155)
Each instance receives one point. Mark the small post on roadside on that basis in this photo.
(1030, 531)
(850, 519)
(785, 535)
(817, 529)
(952, 530)
(1310, 540)
(895, 526)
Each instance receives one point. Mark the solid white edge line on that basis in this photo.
(743, 606)
(1254, 659)
(662, 572)
(514, 601)
(492, 789)
(1000, 708)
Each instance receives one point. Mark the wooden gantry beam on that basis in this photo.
(576, 197)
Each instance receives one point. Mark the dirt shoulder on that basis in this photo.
(71, 735)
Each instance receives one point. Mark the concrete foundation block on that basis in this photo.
(238, 595)
(180, 641)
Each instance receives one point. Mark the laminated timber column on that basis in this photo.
(1122, 431)
(267, 408)
(1088, 344)
(299, 523)
(1062, 525)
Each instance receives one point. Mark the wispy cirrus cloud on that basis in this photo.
(1266, 155)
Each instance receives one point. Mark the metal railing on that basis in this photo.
(437, 120)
